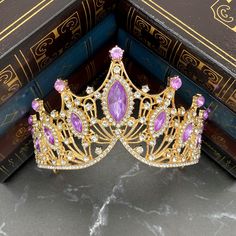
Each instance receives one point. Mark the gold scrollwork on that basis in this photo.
(232, 100)
(21, 133)
(186, 59)
(50, 47)
(214, 78)
(158, 41)
(224, 13)
(9, 82)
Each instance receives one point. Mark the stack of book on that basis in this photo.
(70, 40)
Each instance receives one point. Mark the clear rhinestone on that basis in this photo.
(174, 159)
(173, 111)
(53, 114)
(167, 103)
(159, 100)
(77, 102)
(151, 158)
(89, 90)
(116, 69)
(152, 142)
(117, 131)
(85, 144)
(94, 138)
(69, 105)
(98, 150)
(141, 137)
(147, 105)
(88, 106)
(105, 123)
(59, 125)
(63, 162)
(130, 123)
(145, 88)
(142, 119)
(86, 159)
(137, 94)
(93, 120)
(62, 114)
(139, 149)
(97, 95)
(66, 141)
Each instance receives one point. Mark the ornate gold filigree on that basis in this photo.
(150, 126)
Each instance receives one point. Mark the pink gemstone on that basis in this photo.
(35, 104)
(49, 135)
(76, 122)
(205, 115)
(200, 101)
(60, 85)
(199, 139)
(187, 132)
(37, 144)
(175, 82)
(159, 121)
(116, 53)
(117, 101)
(30, 120)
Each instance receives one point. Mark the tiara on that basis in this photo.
(86, 128)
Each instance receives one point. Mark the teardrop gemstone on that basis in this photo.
(49, 135)
(187, 132)
(159, 121)
(117, 101)
(76, 122)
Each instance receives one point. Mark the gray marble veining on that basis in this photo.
(119, 196)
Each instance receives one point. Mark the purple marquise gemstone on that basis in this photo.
(37, 144)
(159, 121)
(49, 135)
(175, 82)
(187, 132)
(200, 101)
(117, 101)
(76, 122)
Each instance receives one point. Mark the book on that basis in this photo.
(34, 33)
(201, 47)
(20, 103)
(161, 69)
(16, 146)
(216, 144)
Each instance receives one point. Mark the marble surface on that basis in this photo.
(119, 196)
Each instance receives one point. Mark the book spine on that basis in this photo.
(16, 145)
(160, 68)
(161, 40)
(20, 103)
(216, 143)
(33, 54)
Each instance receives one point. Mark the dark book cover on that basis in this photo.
(33, 33)
(197, 38)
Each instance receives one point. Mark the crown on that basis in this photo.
(149, 126)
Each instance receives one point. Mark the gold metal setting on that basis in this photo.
(66, 146)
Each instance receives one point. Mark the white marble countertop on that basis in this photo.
(119, 196)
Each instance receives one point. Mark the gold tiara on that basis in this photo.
(149, 126)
